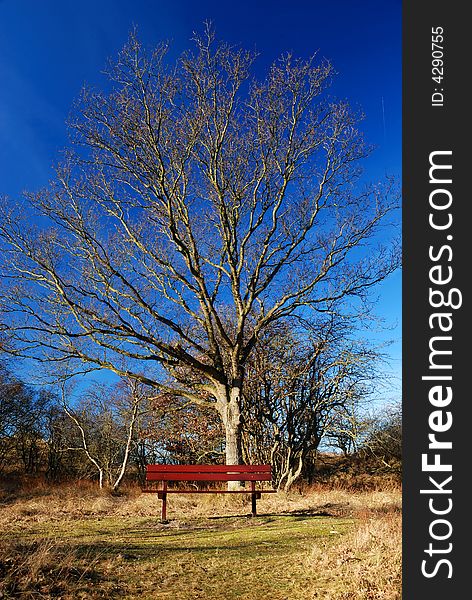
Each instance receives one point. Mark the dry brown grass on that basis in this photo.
(44, 569)
(82, 500)
(365, 564)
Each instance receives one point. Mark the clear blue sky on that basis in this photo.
(50, 48)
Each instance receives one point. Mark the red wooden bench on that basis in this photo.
(208, 473)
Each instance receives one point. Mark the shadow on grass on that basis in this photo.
(138, 552)
(159, 540)
(326, 510)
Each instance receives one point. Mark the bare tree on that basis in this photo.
(200, 208)
(305, 387)
(383, 438)
(23, 422)
(106, 421)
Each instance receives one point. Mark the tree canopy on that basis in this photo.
(196, 207)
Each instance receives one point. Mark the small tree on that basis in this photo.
(384, 436)
(107, 421)
(23, 423)
(178, 431)
(201, 208)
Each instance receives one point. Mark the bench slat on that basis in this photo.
(208, 468)
(185, 476)
(177, 491)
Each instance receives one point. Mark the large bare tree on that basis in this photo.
(199, 207)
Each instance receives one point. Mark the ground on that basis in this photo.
(74, 542)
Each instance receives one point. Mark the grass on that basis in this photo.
(366, 564)
(78, 543)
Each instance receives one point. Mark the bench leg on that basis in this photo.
(253, 498)
(164, 502)
(164, 507)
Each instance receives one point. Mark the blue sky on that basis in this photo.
(50, 48)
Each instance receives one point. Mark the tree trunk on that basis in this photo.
(229, 408)
(233, 452)
(129, 439)
(291, 469)
(294, 473)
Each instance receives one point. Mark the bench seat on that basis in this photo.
(158, 477)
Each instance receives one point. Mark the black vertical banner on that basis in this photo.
(436, 308)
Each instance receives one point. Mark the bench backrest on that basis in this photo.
(208, 473)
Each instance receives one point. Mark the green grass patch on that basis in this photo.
(218, 558)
